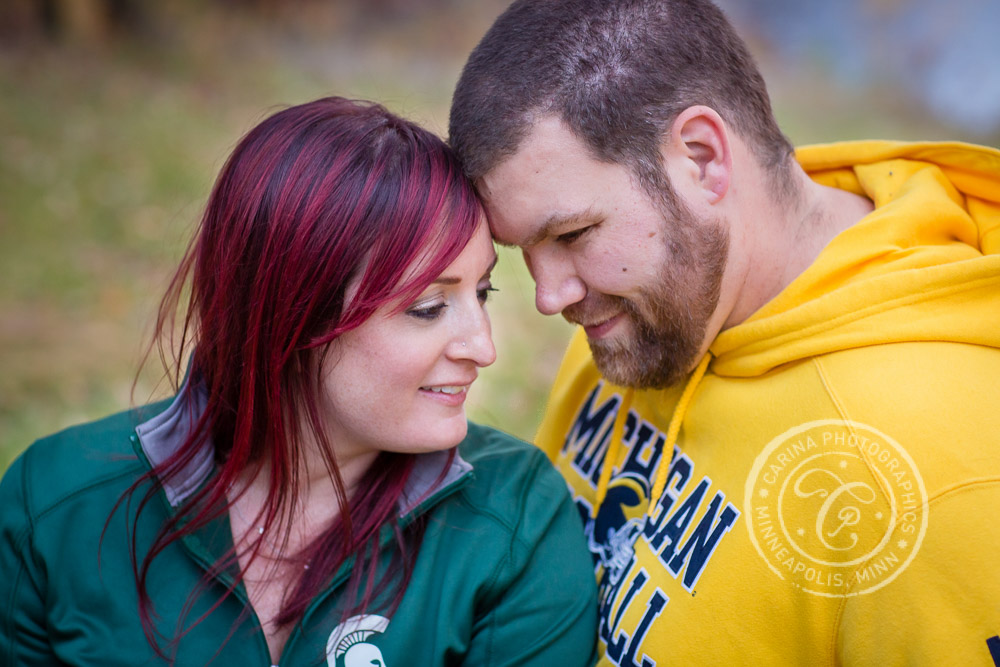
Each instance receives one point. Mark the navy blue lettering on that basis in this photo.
(677, 479)
(617, 647)
(993, 644)
(703, 541)
(628, 429)
(586, 438)
(592, 465)
(678, 522)
(653, 609)
(643, 448)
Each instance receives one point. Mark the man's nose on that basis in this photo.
(557, 284)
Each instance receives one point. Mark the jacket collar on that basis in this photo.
(162, 435)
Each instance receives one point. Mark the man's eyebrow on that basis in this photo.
(454, 280)
(554, 222)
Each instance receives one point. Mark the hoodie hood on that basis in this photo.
(924, 265)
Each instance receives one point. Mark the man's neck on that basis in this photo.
(783, 238)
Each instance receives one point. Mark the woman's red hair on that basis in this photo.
(316, 198)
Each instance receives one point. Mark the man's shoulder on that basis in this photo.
(912, 375)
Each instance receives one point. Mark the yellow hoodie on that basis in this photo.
(823, 490)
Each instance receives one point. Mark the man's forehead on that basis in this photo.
(547, 135)
(508, 214)
(516, 222)
(530, 192)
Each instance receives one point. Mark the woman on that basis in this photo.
(301, 500)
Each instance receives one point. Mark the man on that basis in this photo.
(780, 416)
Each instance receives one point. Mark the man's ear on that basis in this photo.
(697, 155)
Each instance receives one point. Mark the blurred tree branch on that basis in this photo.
(86, 21)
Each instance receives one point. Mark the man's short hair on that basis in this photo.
(617, 72)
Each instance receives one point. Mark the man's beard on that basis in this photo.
(669, 318)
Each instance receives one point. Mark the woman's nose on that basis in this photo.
(476, 342)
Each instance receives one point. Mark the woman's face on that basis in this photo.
(399, 381)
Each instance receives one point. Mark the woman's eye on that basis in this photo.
(484, 293)
(427, 312)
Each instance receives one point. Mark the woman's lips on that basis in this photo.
(447, 394)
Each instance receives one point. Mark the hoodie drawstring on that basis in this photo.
(614, 449)
(617, 444)
(674, 430)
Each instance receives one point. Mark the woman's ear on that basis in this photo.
(697, 155)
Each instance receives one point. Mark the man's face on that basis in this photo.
(641, 276)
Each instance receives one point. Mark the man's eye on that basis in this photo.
(569, 237)
(427, 312)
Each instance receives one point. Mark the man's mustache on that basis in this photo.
(596, 308)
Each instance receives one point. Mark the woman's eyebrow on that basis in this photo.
(453, 280)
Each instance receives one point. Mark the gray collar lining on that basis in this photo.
(162, 435)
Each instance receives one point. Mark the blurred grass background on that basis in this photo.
(114, 122)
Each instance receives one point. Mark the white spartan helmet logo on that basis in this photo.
(347, 645)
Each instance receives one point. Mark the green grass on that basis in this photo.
(108, 151)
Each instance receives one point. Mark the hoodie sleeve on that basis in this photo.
(546, 609)
(23, 637)
(944, 608)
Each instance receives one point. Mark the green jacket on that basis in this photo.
(503, 576)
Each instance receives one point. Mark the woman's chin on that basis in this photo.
(447, 434)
